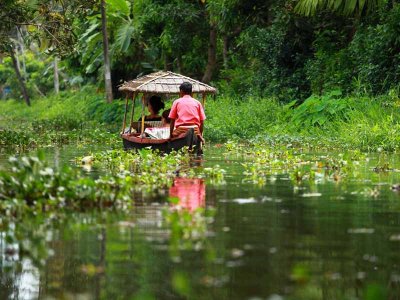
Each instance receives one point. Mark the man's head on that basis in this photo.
(185, 88)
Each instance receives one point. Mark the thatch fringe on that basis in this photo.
(164, 83)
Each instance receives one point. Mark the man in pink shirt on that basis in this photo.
(186, 112)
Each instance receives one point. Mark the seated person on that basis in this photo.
(160, 132)
(186, 112)
(154, 105)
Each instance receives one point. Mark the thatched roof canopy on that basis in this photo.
(164, 83)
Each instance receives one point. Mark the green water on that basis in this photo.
(321, 240)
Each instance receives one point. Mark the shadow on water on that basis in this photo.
(204, 240)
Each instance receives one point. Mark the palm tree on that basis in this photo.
(343, 7)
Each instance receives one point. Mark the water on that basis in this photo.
(324, 240)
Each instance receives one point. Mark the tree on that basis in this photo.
(212, 54)
(343, 7)
(107, 68)
(120, 30)
(49, 23)
(20, 78)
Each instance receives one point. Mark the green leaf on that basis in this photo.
(124, 36)
(119, 6)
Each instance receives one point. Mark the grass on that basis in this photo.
(364, 123)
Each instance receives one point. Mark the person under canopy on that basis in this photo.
(186, 113)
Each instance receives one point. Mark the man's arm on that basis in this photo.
(171, 128)
(201, 127)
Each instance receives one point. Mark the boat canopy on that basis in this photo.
(164, 82)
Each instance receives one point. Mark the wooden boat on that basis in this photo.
(161, 83)
(188, 139)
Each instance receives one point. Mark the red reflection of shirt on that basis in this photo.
(191, 192)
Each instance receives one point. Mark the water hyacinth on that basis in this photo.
(30, 182)
(263, 160)
(33, 136)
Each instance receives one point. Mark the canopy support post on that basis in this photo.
(142, 127)
(132, 111)
(204, 99)
(125, 113)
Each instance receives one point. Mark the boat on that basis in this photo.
(188, 139)
(159, 83)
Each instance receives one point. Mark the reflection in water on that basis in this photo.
(264, 242)
(18, 275)
(28, 281)
(191, 192)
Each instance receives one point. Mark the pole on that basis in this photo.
(132, 111)
(125, 113)
(142, 127)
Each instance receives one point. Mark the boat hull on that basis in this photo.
(188, 139)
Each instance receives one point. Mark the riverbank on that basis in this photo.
(363, 123)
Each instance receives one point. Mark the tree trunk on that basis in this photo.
(20, 79)
(212, 54)
(107, 68)
(179, 63)
(56, 80)
(168, 64)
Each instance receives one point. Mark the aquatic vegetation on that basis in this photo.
(19, 140)
(59, 123)
(215, 174)
(264, 160)
(152, 169)
(188, 228)
(148, 168)
(30, 184)
(29, 139)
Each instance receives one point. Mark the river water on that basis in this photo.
(237, 240)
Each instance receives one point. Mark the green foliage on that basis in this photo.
(227, 118)
(83, 116)
(102, 112)
(353, 7)
(373, 51)
(16, 139)
(330, 68)
(31, 181)
(39, 78)
(67, 118)
(319, 111)
(277, 54)
(188, 228)
(366, 63)
(58, 124)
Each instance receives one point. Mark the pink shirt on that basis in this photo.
(187, 111)
(190, 192)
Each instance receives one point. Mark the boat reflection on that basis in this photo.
(191, 192)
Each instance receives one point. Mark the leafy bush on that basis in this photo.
(330, 68)
(362, 61)
(374, 51)
(318, 111)
(227, 118)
